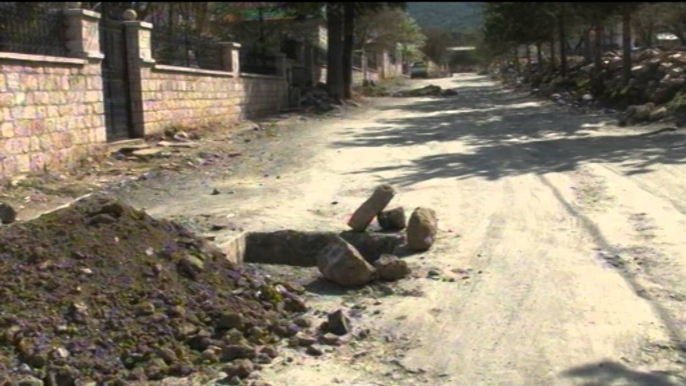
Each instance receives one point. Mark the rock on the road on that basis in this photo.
(7, 214)
(364, 215)
(337, 323)
(390, 268)
(393, 219)
(341, 263)
(422, 229)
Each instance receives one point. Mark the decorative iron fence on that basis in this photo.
(301, 76)
(33, 28)
(184, 49)
(254, 63)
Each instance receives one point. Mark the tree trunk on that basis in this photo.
(597, 83)
(334, 70)
(626, 43)
(552, 54)
(348, 44)
(587, 46)
(539, 54)
(516, 60)
(563, 45)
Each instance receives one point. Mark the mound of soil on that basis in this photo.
(101, 292)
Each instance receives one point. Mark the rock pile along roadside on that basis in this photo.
(98, 291)
(657, 77)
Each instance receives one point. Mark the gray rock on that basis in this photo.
(241, 369)
(7, 214)
(393, 219)
(337, 323)
(422, 229)
(229, 320)
(390, 268)
(658, 114)
(373, 206)
(314, 351)
(29, 381)
(341, 263)
(238, 351)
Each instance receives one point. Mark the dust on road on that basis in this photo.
(567, 232)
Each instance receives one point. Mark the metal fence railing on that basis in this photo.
(33, 28)
(254, 63)
(184, 49)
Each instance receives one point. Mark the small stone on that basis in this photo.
(331, 339)
(338, 323)
(390, 268)
(263, 359)
(229, 320)
(242, 369)
(302, 322)
(215, 192)
(210, 355)
(342, 263)
(145, 309)
(270, 351)
(190, 266)
(393, 219)
(306, 341)
(314, 351)
(29, 381)
(238, 351)
(167, 355)
(7, 214)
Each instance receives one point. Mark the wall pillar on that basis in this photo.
(139, 61)
(231, 58)
(365, 68)
(281, 65)
(83, 35)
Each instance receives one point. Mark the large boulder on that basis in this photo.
(341, 263)
(422, 229)
(364, 215)
(7, 214)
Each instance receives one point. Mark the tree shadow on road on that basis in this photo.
(610, 373)
(506, 134)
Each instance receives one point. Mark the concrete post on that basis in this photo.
(231, 58)
(139, 61)
(281, 69)
(365, 68)
(83, 35)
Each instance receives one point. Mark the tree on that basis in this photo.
(645, 22)
(627, 9)
(672, 18)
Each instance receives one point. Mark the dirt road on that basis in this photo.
(564, 234)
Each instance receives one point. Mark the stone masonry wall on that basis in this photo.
(51, 113)
(184, 98)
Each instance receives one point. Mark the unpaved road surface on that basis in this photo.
(563, 232)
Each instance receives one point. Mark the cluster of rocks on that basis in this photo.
(341, 262)
(317, 99)
(102, 293)
(654, 92)
(430, 90)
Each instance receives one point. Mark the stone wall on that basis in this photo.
(51, 112)
(184, 96)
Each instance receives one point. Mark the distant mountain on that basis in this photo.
(455, 16)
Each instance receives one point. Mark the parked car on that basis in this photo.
(418, 70)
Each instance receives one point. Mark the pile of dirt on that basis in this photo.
(98, 291)
(317, 99)
(657, 77)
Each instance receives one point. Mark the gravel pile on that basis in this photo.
(101, 292)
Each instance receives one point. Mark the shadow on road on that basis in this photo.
(611, 373)
(508, 135)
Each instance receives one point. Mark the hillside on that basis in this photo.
(450, 16)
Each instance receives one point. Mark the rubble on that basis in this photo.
(318, 99)
(364, 215)
(131, 299)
